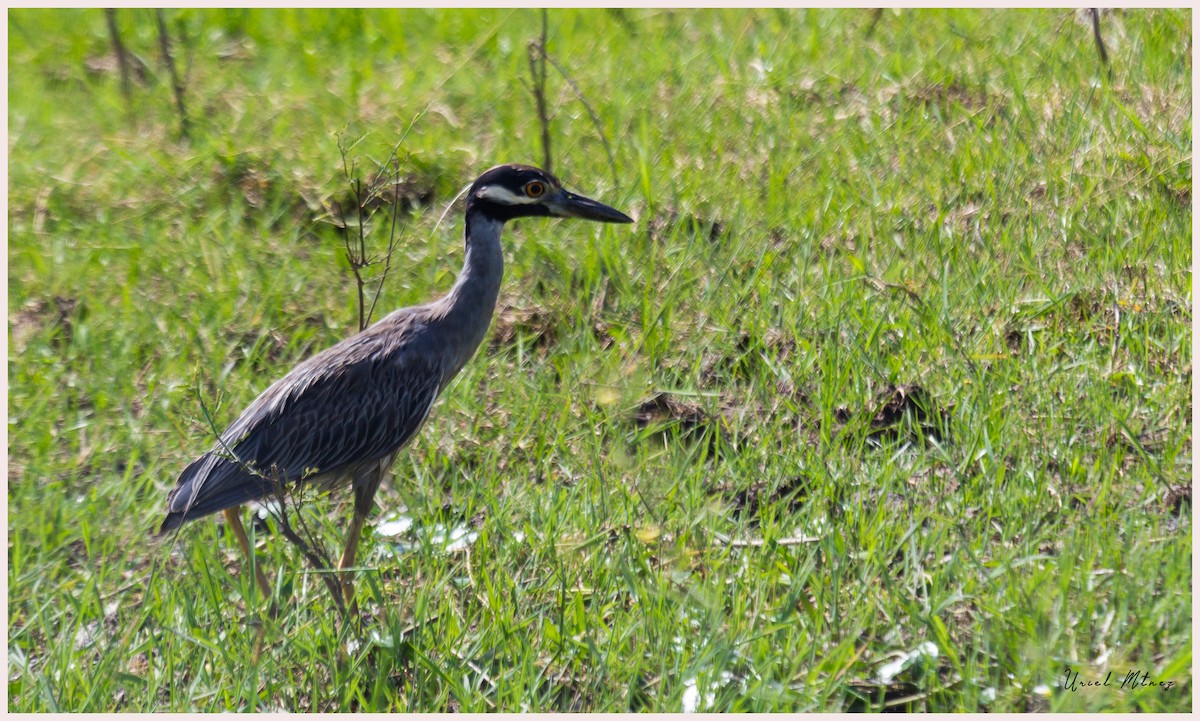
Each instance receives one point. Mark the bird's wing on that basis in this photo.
(329, 413)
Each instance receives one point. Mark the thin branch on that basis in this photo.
(366, 199)
(110, 17)
(391, 248)
(321, 562)
(537, 70)
(355, 258)
(612, 161)
(1095, 13)
(280, 492)
(357, 185)
(164, 45)
(189, 49)
(876, 14)
(758, 542)
(393, 163)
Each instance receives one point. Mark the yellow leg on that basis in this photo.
(366, 483)
(234, 521)
(348, 556)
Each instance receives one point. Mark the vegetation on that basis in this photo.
(885, 401)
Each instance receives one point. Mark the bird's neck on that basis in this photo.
(478, 284)
(469, 305)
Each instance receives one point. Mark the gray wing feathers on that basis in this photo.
(356, 402)
(360, 413)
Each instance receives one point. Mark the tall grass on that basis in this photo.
(883, 403)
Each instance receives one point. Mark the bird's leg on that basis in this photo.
(365, 486)
(349, 553)
(234, 521)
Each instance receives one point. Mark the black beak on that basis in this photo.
(570, 205)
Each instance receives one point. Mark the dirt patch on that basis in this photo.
(749, 501)
(254, 184)
(37, 314)
(237, 50)
(257, 183)
(745, 360)
(942, 475)
(108, 64)
(1086, 303)
(954, 92)
(810, 91)
(868, 696)
(1179, 499)
(900, 411)
(840, 242)
(662, 408)
(532, 323)
(538, 327)
(1178, 192)
(662, 413)
(601, 334)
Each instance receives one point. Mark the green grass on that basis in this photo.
(960, 204)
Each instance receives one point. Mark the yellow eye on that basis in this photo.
(535, 189)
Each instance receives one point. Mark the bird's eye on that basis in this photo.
(535, 189)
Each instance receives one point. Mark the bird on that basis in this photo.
(341, 417)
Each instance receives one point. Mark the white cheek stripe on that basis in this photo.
(502, 195)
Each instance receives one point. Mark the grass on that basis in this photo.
(897, 356)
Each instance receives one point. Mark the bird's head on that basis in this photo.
(516, 191)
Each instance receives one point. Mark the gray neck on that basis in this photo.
(469, 305)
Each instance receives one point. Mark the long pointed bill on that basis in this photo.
(570, 205)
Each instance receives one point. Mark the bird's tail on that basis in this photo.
(173, 520)
(208, 485)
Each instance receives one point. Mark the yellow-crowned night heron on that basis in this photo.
(341, 416)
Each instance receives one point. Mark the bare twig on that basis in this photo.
(876, 14)
(356, 253)
(365, 198)
(393, 178)
(467, 57)
(164, 44)
(393, 165)
(358, 258)
(110, 17)
(758, 542)
(537, 69)
(317, 559)
(317, 562)
(1095, 13)
(612, 161)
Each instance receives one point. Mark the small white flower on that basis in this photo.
(691, 696)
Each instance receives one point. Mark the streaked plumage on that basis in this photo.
(341, 416)
(382, 388)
